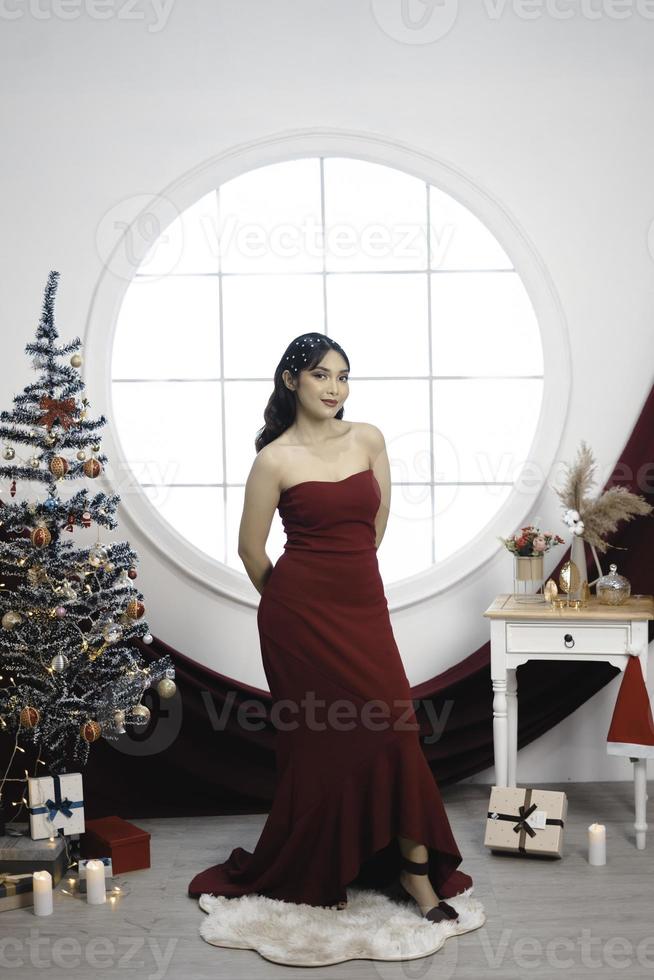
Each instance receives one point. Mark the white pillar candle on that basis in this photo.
(95, 884)
(597, 844)
(42, 885)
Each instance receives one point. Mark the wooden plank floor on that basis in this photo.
(546, 918)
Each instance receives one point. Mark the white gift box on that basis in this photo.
(56, 803)
(526, 820)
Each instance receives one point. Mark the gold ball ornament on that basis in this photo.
(166, 688)
(58, 466)
(30, 716)
(81, 454)
(135, 609)
(35, 462)
(95, 446)
(11, 619)
(76, 360)
(40, 536)
(142, 713)
(9, 452)
(92, 468)
(90, 731)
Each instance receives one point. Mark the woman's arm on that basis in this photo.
(259, 504)
(376, 445)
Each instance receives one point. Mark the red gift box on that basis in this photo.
(127, 846)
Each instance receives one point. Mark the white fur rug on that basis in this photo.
(372, 927)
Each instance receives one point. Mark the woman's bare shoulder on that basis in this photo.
(370, 434)
(268, 462)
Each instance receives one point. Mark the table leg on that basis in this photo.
(640, 794)
(500, 734)
(512, 724)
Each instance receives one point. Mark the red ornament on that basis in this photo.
(86, 519)
(29, 716)
(135, 609)
(92, 468)
(58, 466)
(90, 731)
(132, 573)
(70, 523)
(12, 489)
(40, 537)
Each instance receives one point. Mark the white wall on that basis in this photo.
(551, 116)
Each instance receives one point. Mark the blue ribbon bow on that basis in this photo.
(58, 805)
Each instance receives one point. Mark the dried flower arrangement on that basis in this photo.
(593, 518)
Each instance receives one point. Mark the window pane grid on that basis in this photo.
(422, 269)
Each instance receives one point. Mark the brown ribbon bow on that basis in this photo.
(522, 820)
(57, 409)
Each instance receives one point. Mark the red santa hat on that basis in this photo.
(632, 729)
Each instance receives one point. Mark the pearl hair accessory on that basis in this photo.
(290, 358)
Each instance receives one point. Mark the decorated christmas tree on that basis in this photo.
(69, 609)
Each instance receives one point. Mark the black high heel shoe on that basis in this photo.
(439, 912)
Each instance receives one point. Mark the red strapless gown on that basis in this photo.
(351, 776)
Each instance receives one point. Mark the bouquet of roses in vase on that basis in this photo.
(528, 546)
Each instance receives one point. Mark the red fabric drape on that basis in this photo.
(187, 762)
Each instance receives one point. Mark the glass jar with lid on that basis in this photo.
(613, 589)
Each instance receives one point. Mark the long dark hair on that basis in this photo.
(302, 354)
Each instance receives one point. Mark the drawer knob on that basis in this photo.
(568, 639)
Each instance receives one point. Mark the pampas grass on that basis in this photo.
(601, 515)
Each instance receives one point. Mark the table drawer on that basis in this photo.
(562, 637)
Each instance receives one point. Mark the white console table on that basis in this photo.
(523, 631)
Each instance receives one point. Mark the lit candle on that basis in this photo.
(597, 844)
(42, 886)
(95, 885)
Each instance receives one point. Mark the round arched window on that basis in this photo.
(444, 345)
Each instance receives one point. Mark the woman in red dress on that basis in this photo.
(356, 802)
